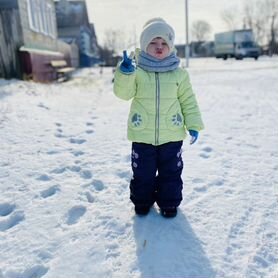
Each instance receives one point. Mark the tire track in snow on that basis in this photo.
(233, 252)
(265, 257)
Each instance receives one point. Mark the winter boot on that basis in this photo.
(169, 212)
(142, 210)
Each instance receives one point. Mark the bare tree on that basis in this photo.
(259, 15)
(262, 17)
(273, 21)
(200, 30)
(114, 40)
(230, 17)
(254, 17)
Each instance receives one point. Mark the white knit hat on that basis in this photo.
(154, 28)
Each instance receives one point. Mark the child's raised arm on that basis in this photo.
(124, 81)
(127, 65)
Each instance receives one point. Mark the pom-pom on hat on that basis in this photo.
(154, 28)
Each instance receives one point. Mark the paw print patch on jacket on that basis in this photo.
(136, 120)
(177, 119)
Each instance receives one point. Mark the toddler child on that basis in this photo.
(163, 107)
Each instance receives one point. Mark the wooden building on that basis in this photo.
(10, 39)
(74, 27)
(28, 40)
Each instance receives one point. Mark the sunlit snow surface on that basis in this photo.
(65, 171)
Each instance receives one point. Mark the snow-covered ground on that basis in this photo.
(65, 170)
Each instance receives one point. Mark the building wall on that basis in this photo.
(28, 40)
(10, 40)
(71, 13)
(32, 38)
(73, 26)
(71, 53)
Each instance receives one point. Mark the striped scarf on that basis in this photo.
(150, 63)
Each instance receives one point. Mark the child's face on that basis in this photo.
(158, 48)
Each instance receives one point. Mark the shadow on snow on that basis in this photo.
(169, 248)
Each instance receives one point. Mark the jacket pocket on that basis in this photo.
(174, 117)
(138, 117)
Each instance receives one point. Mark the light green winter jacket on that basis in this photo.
(163, 105)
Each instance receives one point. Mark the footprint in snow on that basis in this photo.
(74, 214)
(229, 192)
(59, 133)
(217, 182)
(98, 185)
(246, 115)
(86, 174)
(36, 271)
(197, 180)
(206, 152)
(112, 250)
(89, 131)
(204, 155)
(51, 152)
(41, 105)
(50, 191)
(90, 197)
(199, 186)
(58, 170)
(207, 149)
(77, 141)
(124, 175)
(78, 153)
(11, 220)
(6, 209)
(44, 177)
(44, 255)
(74, 168)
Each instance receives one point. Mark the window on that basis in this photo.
(48, 19)
(43, 7)
(41, 17)
(51, 22)
(38, 15)
(31, 15)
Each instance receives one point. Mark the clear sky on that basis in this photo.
(130, 15)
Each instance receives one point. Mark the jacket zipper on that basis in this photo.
(157, 104)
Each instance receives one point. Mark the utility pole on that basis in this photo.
(186, 50)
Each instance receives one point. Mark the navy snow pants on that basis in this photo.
(156, 174)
